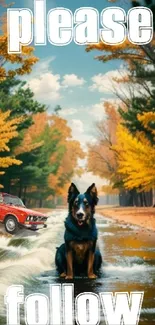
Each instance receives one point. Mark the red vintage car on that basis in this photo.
(14, 214)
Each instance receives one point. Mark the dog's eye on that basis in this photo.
(76, 203)
(86, 204)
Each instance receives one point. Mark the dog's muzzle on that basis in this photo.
(80, 217)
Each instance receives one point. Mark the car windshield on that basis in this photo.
(13, 200)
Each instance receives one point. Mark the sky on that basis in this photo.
(70, 77)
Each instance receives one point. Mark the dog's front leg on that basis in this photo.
(69, 257)
(91, 274)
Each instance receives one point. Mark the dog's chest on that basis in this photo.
(80, 249)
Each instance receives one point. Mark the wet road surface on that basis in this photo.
(128, 262)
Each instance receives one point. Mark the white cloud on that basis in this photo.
(97, 111)
(87, 178)
(79, 133)
(47, 87)
(77, 127)
(41, 67)
(68, 111)
(104, 83)
(72, 80)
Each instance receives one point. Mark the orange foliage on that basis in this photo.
(30, 141)
(60, 124)
(72, 149)
(73, 152)
(126, 51)
(101, 159)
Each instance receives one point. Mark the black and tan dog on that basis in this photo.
(79, 253)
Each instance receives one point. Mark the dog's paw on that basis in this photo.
(92, 276)
(69, 277)
(63, 275)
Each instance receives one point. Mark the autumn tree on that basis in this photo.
(8, 131)
(101, 159)
(50, 159)
(139, 64)
(136, 155)
(68, 166)
(25, 60)
(142, 101)
(21, 102)
(38, 143)
(128, 52)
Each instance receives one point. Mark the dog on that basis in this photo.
(79, 252)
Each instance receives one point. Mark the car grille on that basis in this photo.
(36, 218)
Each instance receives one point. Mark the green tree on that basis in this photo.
(19, 99)
(142, 102)
(57, 109)
(36, 167)
(20, 102)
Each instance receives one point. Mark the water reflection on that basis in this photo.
(128, 262)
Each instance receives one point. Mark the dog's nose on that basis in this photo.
(80, 215)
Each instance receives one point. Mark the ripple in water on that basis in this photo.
(32, 255)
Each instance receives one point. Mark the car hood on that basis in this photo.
(28, 211)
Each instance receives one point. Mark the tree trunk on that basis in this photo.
(40, 203)
(153, 198)
(20, 188)
(145, 199)
(24, 195)
(141, 199)
(55, 200)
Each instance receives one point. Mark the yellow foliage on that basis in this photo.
(147, 118)
(25, 60)
(8, 131)
(136, 157)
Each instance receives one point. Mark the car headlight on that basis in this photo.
(36, 218)
(29, 218)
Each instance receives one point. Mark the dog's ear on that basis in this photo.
(72, 192)
(92, 191)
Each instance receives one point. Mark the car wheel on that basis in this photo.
(11, 225)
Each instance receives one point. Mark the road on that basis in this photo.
(128, 261)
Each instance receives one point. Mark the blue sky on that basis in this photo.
(72, 78)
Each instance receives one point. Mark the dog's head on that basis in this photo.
(82, 206)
